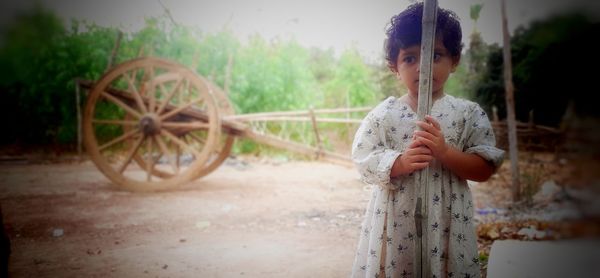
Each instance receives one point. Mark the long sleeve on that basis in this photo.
(480, 137)
(370, 151)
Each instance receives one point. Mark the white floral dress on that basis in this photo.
(387, 239)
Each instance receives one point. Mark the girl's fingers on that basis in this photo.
(425, 134)
(428, 127)
(422, 158)
(419, 165)
(413, 144)
(427, 142)
(425, 126)
(418, 150)
(432, 120)
(432, 126)
(422, 150)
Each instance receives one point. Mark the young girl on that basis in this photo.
(456, 142)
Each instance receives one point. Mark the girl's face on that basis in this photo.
(408, 67)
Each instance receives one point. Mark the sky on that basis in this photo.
(337, 24)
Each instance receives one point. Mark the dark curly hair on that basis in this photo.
(404, 30)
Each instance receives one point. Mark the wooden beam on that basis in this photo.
(300, 119)
(296, 147)
(297, 113)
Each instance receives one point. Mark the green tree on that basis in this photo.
(548, 61)
(388, 82)
(213, 54)
(272, 77)
(475, 9)
(475, 58)
(41, 59)
(353, 83)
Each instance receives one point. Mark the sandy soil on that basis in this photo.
(247, 219)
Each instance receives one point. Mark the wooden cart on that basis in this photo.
(150, 124)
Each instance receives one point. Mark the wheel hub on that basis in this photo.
(150, 124)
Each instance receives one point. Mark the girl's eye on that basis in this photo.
(437, 57)
(409, 59)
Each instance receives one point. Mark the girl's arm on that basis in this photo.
(465, 165)
(372, 156)
(468, 166)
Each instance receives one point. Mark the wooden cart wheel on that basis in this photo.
(149, 109)
(224, 146)
(223, 149)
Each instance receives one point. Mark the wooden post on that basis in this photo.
(495, 118)
(113, 54)
(348, 126)
(317, 137)
(531, 122)
(228, 74)
(195, 60)
(510, 109)
(423, 265)
(78, 109)
(141, 51)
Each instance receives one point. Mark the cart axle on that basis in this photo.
(150, 124)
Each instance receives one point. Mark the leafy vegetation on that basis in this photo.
(549, 60)
(41, 57)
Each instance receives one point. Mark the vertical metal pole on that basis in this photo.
(422, 264)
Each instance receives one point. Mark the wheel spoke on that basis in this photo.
(187, 125)
(183, 145)
(148, 73)
(121, 104)
(185, 92)
(132, 151)
(136, 94)
(115, 122)
(197, 138)
(179, 109)
(177, 155)
(119, 139)
(149, 160)
(166, 152)
(162, 88)
(169, 97)
(151, 100)
(200, 140)
(151, 92)
(160, 154)
(153, 96)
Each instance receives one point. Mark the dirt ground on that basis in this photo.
(246, 219)
(250, 218)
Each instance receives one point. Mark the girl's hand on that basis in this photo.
(432, 137)
(415, 157)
